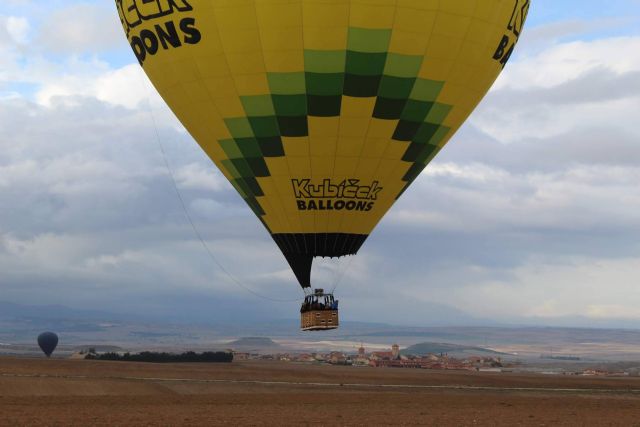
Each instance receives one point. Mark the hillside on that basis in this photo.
(437, 348)
(253, 343)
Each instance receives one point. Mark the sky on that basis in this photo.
(530, 215)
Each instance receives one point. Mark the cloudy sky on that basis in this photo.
(530, 215)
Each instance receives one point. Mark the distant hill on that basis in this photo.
(437, 348)
(100, 348)
(254, 343)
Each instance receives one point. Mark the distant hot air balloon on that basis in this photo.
(48, 341)
(322, 113)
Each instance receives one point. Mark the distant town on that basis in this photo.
(381, 359)
(394, 359)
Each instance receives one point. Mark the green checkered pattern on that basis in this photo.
(365, 69)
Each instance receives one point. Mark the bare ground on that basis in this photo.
(77, 392)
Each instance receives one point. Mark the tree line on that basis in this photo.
(155, 357)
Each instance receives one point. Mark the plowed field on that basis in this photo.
(77, 392)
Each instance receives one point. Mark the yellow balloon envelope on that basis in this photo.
(322, 112)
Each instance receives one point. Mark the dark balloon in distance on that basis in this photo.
(48, 341)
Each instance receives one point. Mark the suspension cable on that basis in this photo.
(188, 215)
(342, 273)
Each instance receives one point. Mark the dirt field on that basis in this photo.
(78, 392)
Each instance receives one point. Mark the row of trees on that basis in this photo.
(154, 357)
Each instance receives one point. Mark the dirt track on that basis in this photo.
(66, 392)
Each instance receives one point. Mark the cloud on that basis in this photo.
(18, 29)
(477, 197)
(81, 28)
(565, 88)
(13, 30)
(196, 176)
(555, 32)
(541, 288)
(562, 62)
(126, 86)
(66, 56)
(599, 85)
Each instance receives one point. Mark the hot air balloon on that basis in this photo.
(48, 341)
(322, 113)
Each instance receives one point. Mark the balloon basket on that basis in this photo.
(319, 320)
(319, 312)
